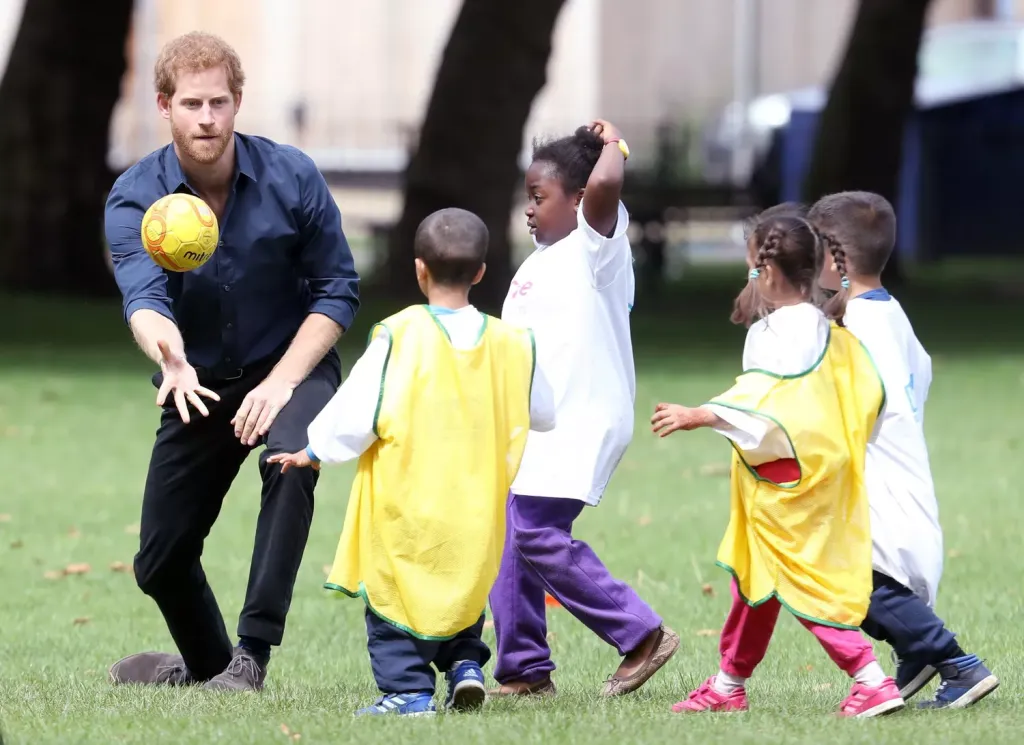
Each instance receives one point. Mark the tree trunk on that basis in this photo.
(62, 82)
(860, 133)
(493, 66)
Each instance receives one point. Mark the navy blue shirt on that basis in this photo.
(879, 293)
(282, 255)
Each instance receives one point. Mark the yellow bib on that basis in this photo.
(425, 525)
(808, 543)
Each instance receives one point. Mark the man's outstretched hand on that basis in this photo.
(181, 380)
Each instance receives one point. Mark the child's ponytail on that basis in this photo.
(749, 305)
(574, 156)
(589, 147)
(835, 307)
(743, 307)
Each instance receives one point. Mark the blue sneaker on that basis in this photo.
(911, 677)
(401, 704)
(465, 687)
(965, 681)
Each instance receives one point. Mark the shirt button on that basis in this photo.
(227, 359)
(227, 288)
(230, 326)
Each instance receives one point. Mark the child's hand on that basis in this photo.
(605, 130)
(669, 418)
(300, 459)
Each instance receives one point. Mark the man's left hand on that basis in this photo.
(259, 409)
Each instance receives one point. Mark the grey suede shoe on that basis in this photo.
(151, 668)
(245, 673)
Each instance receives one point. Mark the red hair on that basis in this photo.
(194, 52)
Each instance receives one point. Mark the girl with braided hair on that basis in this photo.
(798, 419)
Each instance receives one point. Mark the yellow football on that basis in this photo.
(179, 232)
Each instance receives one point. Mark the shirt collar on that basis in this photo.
(879, 293)
(243, 165)
(243, 162)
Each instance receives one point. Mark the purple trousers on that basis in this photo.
(541, 554)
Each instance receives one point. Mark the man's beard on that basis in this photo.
(205, 151)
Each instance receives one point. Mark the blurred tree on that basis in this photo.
(860, 135)
(492, 68)
(62, 82)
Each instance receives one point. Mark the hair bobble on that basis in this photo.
(845, 283)
(754, 273)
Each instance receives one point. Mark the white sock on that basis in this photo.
(871, 675)
(725, 683)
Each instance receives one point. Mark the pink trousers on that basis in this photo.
(748, 631)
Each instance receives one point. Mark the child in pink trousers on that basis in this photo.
(798, 418)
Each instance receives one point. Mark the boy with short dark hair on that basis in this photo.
(437, 411)
(859, 228)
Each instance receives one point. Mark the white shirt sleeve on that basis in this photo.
(785, 345)
(603, 253)
(760, 438)
(746, 430)
(343, 430)
(542, 403)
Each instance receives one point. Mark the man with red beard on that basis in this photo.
(245, 345)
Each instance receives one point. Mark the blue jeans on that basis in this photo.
(402, 663)
(900, 618)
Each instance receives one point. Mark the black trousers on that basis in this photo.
(190, 471)
(402, 663)
(897, 616)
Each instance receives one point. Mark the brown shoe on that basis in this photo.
(246, 672)
(542, 687)
(151, 668)
(657, 649)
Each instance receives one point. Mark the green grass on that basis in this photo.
(76, 424)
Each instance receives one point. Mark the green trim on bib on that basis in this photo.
(812, 368)
(360, 594)
(787, 606)
(383, 375)
(755, 474)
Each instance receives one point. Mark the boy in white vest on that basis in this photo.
(859, 229)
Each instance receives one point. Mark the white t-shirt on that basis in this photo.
(905, 527)
(343, 430)
(789, 341)
(577, 295)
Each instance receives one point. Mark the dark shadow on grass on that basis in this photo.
(955, 312)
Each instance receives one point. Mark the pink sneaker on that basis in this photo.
(706, 698)
(864, 702)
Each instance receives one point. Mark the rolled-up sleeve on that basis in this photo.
(143, 284)
(326, 257)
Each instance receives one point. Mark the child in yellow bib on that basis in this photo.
(799, 418)
(436, 411)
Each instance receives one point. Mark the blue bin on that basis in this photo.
(961, 175)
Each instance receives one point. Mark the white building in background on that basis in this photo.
(362, 71)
